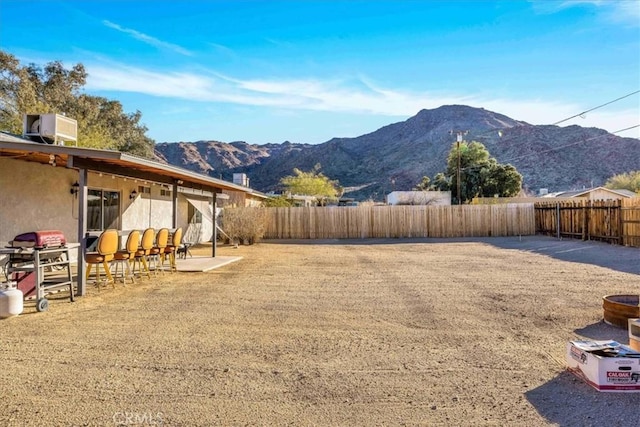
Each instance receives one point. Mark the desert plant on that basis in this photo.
(244, 224)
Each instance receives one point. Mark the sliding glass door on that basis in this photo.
(103, 210)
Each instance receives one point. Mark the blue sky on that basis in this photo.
(307, 71)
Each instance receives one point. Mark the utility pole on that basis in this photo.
(459, 135)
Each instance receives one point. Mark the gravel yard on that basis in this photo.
(372, 332)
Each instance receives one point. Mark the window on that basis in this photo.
(165, 193)
(103, 209)
(195, 216)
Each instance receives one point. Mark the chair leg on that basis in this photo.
(130, 271)
(107, 271)
(162, 258)
(88, 271)
(113, 264)
(146, 266)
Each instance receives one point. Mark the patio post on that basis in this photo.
(174, 206)
(215, 226)
(82, 230)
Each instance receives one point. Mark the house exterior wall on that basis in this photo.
(195, 233)
(34, 197)
(602, 194)
(146, 210)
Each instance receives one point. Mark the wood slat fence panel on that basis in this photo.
(631, 222)
(613, 221)
(361, 222)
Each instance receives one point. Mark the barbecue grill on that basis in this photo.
(39, 263)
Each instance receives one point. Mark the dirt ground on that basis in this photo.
(332, 333)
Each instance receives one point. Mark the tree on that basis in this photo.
(102, 123)
(480, 174)
(277, 202)
(312, 183)
(424, 185)
(441, 182)
(625, 181)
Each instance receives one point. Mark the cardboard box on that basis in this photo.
(610, 374)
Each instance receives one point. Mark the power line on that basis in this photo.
(595, 108)
(500, 130)
(559, 147)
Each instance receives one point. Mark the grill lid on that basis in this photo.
(40, 239)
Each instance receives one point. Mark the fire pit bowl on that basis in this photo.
(618, 309)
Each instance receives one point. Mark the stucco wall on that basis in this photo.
(36, 197)
(195, 233)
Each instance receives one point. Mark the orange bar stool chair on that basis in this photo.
(127, 256)
(172, 248)
(142, 254)
(106, 247)
(157, 251)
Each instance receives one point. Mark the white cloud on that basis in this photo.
(357, 95)
(148, 39)
(625, 12)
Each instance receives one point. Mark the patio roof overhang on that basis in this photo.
(116, 163)
(86, 160)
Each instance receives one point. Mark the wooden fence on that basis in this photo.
(363, 222)
(613, 221)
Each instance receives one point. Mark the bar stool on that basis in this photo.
(143, 252)
(157, 251)
(106, 247)
(172, 248)
(127, 256)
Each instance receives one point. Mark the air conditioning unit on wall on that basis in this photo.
(50, 128)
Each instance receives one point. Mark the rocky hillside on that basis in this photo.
(396, 156)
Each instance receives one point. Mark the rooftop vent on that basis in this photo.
(241, 179)
(50, 128)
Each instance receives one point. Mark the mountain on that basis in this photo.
(397, 156)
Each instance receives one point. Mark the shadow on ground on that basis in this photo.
(621, 258)
(615, 257)
(568, 401)
(603, 331)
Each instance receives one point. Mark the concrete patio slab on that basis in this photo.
(200, 264)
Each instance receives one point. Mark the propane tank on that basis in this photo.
(11, 301)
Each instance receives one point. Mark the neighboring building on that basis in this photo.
(297, 200)
(598, 193)
(431, 198)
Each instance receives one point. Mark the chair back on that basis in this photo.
(147, 239)
(162, 238)
(108, 242)
(132, 242)
(176, 240)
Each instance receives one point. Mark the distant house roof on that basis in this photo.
(580, 193)
(114, 162)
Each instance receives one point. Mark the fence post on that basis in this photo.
(585, 220)
(620, 223)
(558, 220)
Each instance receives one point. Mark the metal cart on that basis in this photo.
(50, 268)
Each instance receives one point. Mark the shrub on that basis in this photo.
(244, 224)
